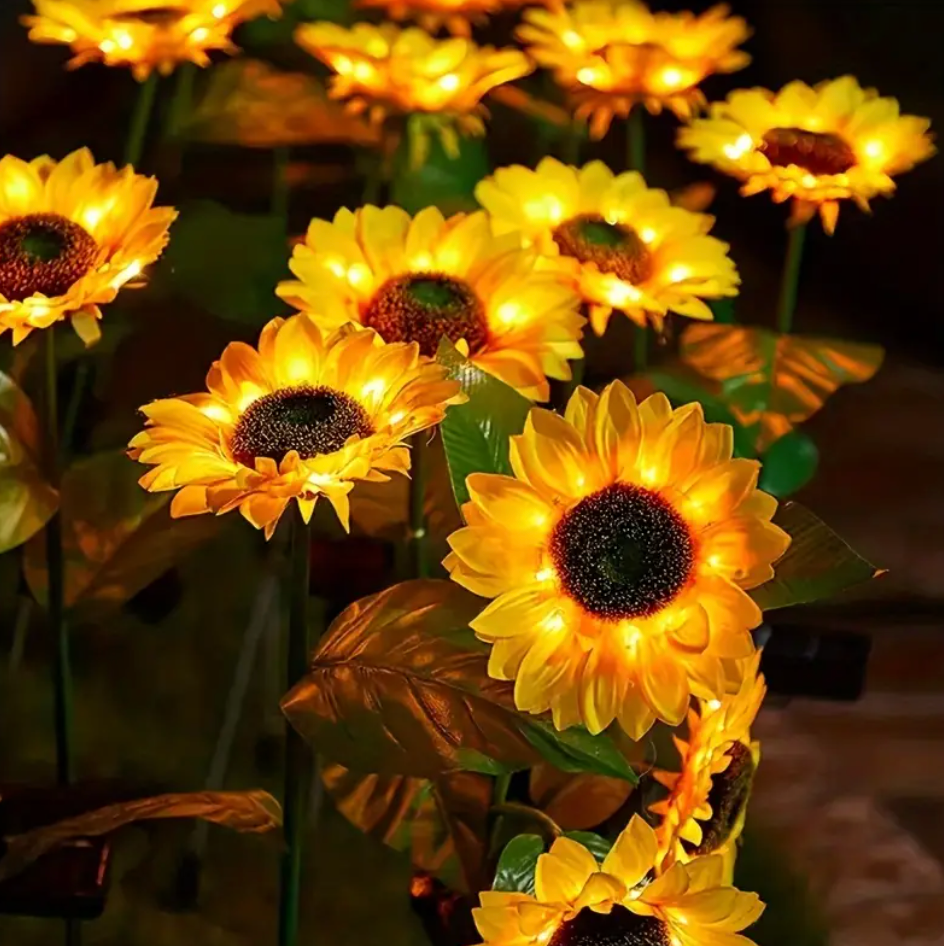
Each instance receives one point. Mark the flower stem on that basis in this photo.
(181, 104)
(418, 535)
(140, 119)
(640, 348)
(636, 140)
(297, 758)
(280, 185)
(790, 281)
(62, 674)
(572, 145)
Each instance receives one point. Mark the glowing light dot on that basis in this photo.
(715, 561)
(679, 273)
(343, 65)
(621, 294)
(129, 272)
(358, 274)
(554, 622)
(545, 936)
(69, 36)
(739, 148)
(124, 40)
(363, 71)
(200, 34)
(650, 474)
(215, 412)
(588, 75)
(548, 208)
(571, 39)
(449, 82)
(874, 149)
(808, 180)
(250, 393)
(337, 268)
(373, 388)
(508, 313)
(39, 311)
(219, 10)
(647, 234)
(397, 417)
(107, 46)
(545, 574)
(298, 368)
(714, 704)
(92, 216)
(422, 261)
(671, 77)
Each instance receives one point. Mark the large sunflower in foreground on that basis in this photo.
(624, 244)
(619, 557)
(580, 902)
(72, 233)
(707, 800)
(305, 416)
(383, 70)
(423, 278)
(818, 145)
(613, 54)
(143, 34)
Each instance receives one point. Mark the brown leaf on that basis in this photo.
(253, 811)
(577, 801)
(772, 382)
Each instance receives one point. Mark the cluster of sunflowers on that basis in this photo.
(625, 552)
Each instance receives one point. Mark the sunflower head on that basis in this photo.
(619, 557)
(385, 70)
(625, 901)
(424, 278)
(457, 16)
(72, 233)
(305, 415)
(623, 244)
(704, 810)
(613, 54)
(818, 145)
(143, 34)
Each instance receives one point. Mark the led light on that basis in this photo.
(216, 412)
(508, 313)
(343, 65)
(545, 574)
(647, 234)
(358, 274)
(621, 294)
(714, 705)
(129, 272)
(588, 75)
(739, 148)
(200, 34)
(874, 149)
(808, 180)
(554, 621)
(249, 394)
(124, 40)
(671, 78)
(107, 46)
(449, 82)
(397, 417)
(571, 39)
(363, 71)
(219, 10)
(91, 216)
(679, 273)
(373, 388)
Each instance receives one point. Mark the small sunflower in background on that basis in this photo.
(613, 54)
(143, 34)
(423, 278)
(619, 557)
(706, 805)
(817, 145)
(457, 16)
(305, 416)
(72, 233)
(384, 70)
(578, 901)
(624, 245)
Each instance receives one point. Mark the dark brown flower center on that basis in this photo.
(814, 151)
(311, 420)
(614, 247)
(43, 253)
(730, 791)
(425, 308)
(623, 552)
(152, 16)
(619, 927)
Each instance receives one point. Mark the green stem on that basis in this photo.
(140, 119)
(181, 105)
(550, 828)
(790, 281)
(297, 756)
(572, 145)
(499, 793)
(374, 180)
(72, 407)
(636, 140)
(280, 185)
(62, 674)
(640, 348)
(418, 535)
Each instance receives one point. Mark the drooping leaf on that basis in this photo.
(789, 464)
(577, 801)
(400, 684)
(253, 811)
(27, 501)
(598, 846)
(442, 824)
(772, 382)
(817, 565)
(517, 864)
(251, 103)
(476, 434)
(117, 538)
(227, 263)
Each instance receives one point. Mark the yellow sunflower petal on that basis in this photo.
(563, 871)
(633, 854)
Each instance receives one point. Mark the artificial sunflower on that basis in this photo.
(707, 800)
(424, 278)
(457, 16)
(72, 233)
(818, 145)
(624, 245)
(306, 415)
(578, 901)
(613, 54)
(383, 70)
(619, 558)
(143, 34)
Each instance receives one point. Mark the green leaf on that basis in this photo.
(227, 263)
(400, 685)
(117, 537)
(27, 501)
(723, 310)
(817, 565)
(789, 464)
(598, 846)
(476, 434)
(517, 864)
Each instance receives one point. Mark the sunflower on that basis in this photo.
(457, 16)
(72, 233)
(624, 245)
(818, 145)
(143, 34)
(304, 416)
(707, 801)
(385, 70)
(618, 557)
(578, 902)
(422, 278)
(612, 54)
